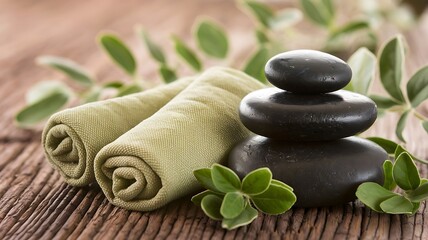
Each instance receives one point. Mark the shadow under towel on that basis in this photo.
(153, 163)
(73, 137)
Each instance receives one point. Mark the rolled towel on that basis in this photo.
(73, 137)
(152, 164)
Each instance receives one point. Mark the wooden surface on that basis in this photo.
(34, 201)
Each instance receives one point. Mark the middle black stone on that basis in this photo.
(282, 115)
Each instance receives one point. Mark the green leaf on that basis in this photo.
(168, 74)
(328, 5)
(256, 64)
(245, 218)
(416, 206)
(225, 179)
(285, 18)
(425, 125)
(154, 49)
(118, 52)
(42, 109)
(187, 54)
(391, 65)
(349, 28)
(417, 87)
(128, 89)
(281, 184)
(257, 181)
(233, 204)
(388, 182)
(212, 39)
(275, 200)
(373, 194)
(315, 13)
(261, 11)
(401, 124)
(44, 89)
(400, 150)
(197, 199)
(363, 65)
(397, 205)
(405, 172)
(388, 145)
(419, 194)
(384, 102)
(113, 84)
(68, 67)
(261, 36)
(211, 204)
(204, 177)
(92, 95)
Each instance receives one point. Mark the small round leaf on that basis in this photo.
(275, 200)
(119, 53)
(388, 145)
(255, 65)
(197, 199)
(68, 67)
(225, 179)
(211, 204)
(188, 55)
(212, 39)
(397, 205)
(406, 173)
(257, 181)
(233, 204)
(373, 194)
(204, 177)
(388, 181)
(417, 87)
(42, 109)
(391, 64)
(245, 218)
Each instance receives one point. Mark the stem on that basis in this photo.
(419, 116)
(420, 160)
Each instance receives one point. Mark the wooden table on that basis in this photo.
(36, 203)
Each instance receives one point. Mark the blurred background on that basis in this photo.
(71, 32)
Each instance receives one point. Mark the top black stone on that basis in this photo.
(307, 72)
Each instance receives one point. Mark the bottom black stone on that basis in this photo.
(322, 173)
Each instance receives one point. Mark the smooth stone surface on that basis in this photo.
(321, 173)
(307, 71)
(279, 114)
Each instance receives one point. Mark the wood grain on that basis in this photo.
(37, 204)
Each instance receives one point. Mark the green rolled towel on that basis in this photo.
(152, 164)
(73, 137)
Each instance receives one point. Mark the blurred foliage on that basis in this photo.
(272, 29)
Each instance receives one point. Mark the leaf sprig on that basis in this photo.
(232, 201)
(401, 173)
(390, 65)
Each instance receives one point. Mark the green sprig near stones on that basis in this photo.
(234, 202)
(402, 173)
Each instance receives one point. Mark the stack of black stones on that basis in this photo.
(305, 130)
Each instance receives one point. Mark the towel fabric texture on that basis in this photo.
(72, 138)
(153, 145)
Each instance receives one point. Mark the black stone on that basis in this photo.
(307, 71)
(279, 114)
(321, 173)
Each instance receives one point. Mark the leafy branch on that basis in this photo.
(390, 65)
(232, 201)
(402, 173)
